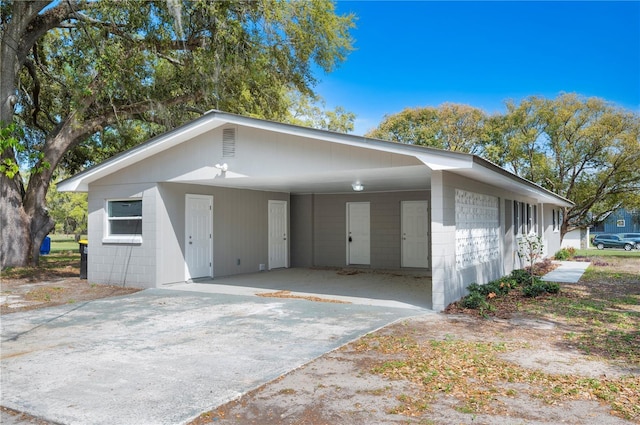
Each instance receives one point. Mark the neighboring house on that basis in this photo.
(227, 194)
(619, 221)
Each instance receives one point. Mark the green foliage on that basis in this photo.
(479, 296)
(474, 301)
(147, 67)
(10, 136)
(90, 79)
(562, 255)
(69, 211)
(310, 111)
(584, 149)
(565, 254)
(521, 277)
(540, 287)
(450, 126)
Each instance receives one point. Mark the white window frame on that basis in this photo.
(120, 238)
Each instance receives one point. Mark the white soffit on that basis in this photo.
(80, 182)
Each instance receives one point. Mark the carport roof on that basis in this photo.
(404, 179)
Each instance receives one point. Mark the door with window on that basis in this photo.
(358, 233)
(199, 236)
(415, 234)
(278, 243)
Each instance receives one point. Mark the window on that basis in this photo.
(124, 219)
(620, 222)
(556, 216)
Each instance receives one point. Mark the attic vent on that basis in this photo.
(228, 142)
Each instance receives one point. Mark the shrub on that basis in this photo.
(565, 254)
(562, 255)
(552, 287)
(539, 288)
(521, 276)
(500, 286)
(475, 301)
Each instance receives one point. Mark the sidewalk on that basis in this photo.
(568, 272)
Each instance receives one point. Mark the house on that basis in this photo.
(619, 221)
(228, 194)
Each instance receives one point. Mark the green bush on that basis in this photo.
(523, 278)
(499, 287)
(562, 255)
(475, 301)
(539, 288)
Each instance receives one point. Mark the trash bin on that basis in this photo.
(45, 246)
(84, 249)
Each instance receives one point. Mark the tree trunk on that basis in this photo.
(15, 237)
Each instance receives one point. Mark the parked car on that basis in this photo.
(611, 240)
(635, 237)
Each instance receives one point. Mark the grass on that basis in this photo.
(607, 252)
(63, 243)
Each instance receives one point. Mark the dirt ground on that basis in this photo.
(339, 387)
(29, 294)
(362, 382)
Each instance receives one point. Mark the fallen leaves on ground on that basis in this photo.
(474, 374)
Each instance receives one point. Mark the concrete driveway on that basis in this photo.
(163, 356)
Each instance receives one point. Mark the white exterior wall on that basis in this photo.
(121, 263)
(551, 236)
(574, 238)
(451, 275)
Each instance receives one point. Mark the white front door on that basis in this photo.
(415, 234)
(198, 236)
(278, 243)
(358, 233)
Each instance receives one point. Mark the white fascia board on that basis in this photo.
(489, 172)
(80, 182)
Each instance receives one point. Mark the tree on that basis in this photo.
(68, 210)
(450, 126)
(584, 149)
(310, 111)
(82, 80)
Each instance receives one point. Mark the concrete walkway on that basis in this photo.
(568, 272)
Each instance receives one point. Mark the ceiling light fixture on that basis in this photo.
(358, 187)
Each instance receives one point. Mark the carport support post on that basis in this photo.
(443, 231)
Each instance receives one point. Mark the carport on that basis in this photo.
(230, 195)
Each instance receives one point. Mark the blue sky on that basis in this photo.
(422, 53)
